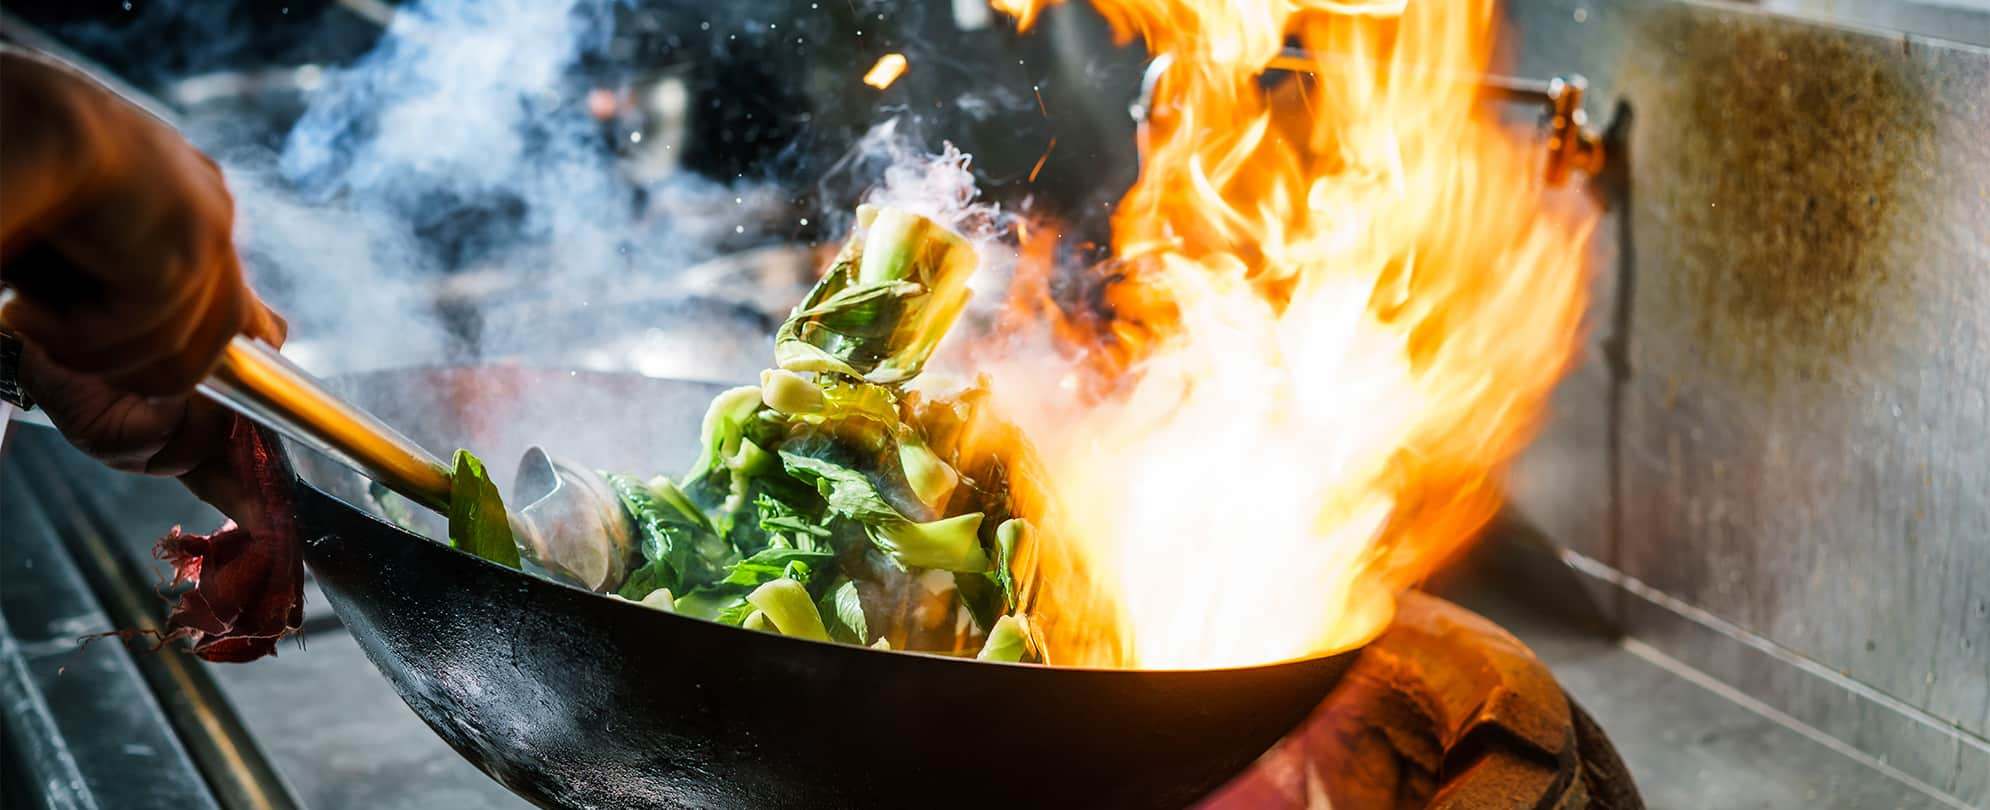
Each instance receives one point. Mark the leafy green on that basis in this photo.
(788, 527)
(724, 600)
(952, 544)
(981, 597)
(849, 329)
(949, 543)
(787, 605)
(679, 546)
(776, 563)
(931, 479)
(724, 426)
(884, 305)
(828, 485)
(1008, 536)
(1008, 641)
(790, 393)
(659, 599)
(645, 580)
(727, 607)
(842, 612)
(995, 593)
(477, 520)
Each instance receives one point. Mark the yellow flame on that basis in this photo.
(1024, 11)
(1346, 301)
(887, 70)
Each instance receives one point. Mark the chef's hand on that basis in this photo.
(117, 251)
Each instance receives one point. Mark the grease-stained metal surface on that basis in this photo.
(1802, 420)
(75, 721)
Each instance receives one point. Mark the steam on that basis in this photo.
(458, 154)
(454, 196)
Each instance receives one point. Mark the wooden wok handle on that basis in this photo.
(255, 381)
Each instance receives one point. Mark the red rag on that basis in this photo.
(248, 587)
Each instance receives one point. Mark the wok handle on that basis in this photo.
(256, 382)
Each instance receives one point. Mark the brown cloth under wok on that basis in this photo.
(247, 586)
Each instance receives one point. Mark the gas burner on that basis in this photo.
(1444, 710)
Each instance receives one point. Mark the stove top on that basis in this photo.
(1447, 709)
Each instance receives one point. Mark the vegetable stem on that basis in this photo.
(882, 308)
(785, 603)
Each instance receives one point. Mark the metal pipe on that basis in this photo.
(1509, 88)
(235, 766)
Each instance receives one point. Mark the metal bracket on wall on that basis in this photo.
(1573, 145)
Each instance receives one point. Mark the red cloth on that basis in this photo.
(248, 587)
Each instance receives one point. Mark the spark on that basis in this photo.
(889, 67)
(1044, 157)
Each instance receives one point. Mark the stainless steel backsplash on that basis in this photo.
(1788, 383)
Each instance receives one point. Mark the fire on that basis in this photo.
(887, 70)
(1344, 303)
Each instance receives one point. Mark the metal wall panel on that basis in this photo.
(1802, 428)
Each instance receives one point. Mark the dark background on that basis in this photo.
(769, 103)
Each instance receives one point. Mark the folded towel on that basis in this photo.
(247, 586)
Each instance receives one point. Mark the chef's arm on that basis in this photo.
(116, 235)
(121, 282)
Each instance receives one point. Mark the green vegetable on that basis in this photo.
(787, 527)
(659, 599)
(884, 305)
(787, 605)
(679, 546)
(842, 613)
(1008, 536)
(725, 425)
(1009, 641)
(788, 392)
(930, 478)
(711, 605)
(949, 543)
(776, 563)
(826, 502)
(477, 520)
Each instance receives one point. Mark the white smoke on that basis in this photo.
(447, 198)
(459, 153)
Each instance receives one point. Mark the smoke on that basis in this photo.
(465, 104)
(459, 156)
(453, 195)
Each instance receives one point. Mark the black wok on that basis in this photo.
(571, 699)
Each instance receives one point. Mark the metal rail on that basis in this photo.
(230, 758)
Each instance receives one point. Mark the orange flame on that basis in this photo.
(1345, 302)
(887, 70)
